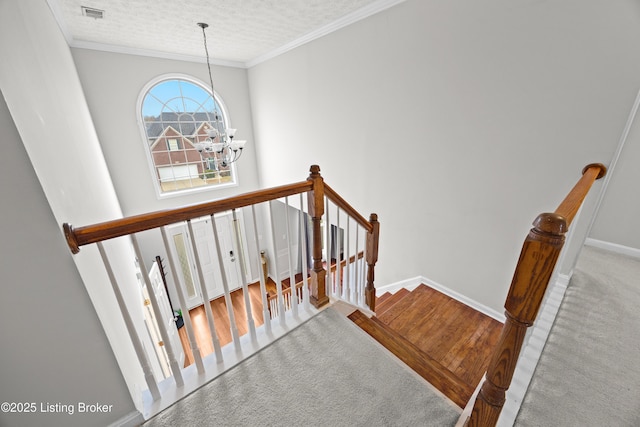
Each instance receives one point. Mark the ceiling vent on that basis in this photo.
(92, 13)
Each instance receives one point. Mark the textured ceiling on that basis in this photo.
(240, 31)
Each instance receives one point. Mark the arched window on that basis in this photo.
(176, 113)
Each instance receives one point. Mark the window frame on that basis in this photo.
(160, 194)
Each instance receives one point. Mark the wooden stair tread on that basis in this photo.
(410, 308)
(382, 298)
(391, 301)
(429, 369)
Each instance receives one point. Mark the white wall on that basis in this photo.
(54, 348)
(456, 121)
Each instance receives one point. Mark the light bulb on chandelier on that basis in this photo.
(219, 146)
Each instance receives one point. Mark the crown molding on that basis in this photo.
(151, 53)
(346, 20)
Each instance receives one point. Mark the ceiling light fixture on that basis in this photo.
(219, 147)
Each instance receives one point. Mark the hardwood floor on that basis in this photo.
(221, 320)
(446, 342)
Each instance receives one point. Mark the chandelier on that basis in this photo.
(219, 147)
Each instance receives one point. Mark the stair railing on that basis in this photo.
(535, 266)
(310, 246)
(351, 235)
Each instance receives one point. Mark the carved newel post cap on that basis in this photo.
(314, 169)
(551, 223)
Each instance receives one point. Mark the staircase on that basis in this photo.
(446, 342)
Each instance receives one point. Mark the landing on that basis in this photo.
(445, 341)
(325, 372)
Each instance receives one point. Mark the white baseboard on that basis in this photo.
(613, 247)
(409, 284)
(414, 282)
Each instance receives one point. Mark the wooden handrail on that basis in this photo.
(77, 237)
(347, 208)
(537, 261)
(570, 205)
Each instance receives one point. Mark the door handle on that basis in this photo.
(232, 257)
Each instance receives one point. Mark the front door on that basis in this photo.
(208, 256)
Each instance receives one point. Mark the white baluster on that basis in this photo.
(304, 255)
(205, 296)
(277, 272)
(243, 277)
(292, 275)
(193, 343)
(164, 334)
(363, 275)
(339, 279)
(225, 286)
(135, 338)
(328, 239)
(347, 275)
(274, 307)
(355, 264)
(263, 280)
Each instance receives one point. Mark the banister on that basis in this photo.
(315, 188)
(570, 205)
(347, 208)
(77, 237)
(533, 272)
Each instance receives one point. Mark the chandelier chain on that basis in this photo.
(206, 50)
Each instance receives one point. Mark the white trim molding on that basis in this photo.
(613, 247)
(414, 282)
(346, 20)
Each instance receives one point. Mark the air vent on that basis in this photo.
(92, 13)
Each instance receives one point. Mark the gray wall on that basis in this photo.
(456, 121)
(618, 219)
(54, 348)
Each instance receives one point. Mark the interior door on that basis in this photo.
(208, 256)
(203, 236)
(165, 316)
(229, 250)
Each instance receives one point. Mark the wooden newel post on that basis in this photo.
(537, 260)
(318, 295)
(371, 255)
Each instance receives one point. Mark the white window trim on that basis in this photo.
(143, 136)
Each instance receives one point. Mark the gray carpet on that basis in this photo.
(327, 372)
(589, 370)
